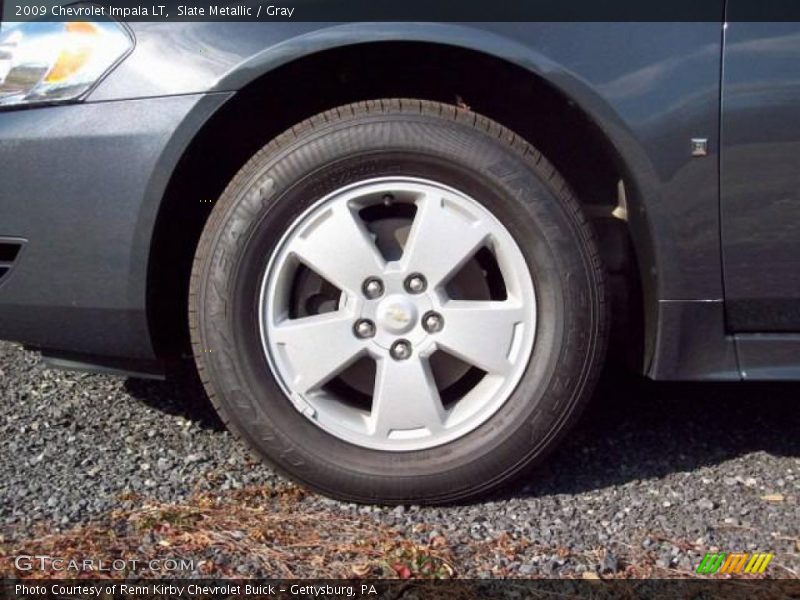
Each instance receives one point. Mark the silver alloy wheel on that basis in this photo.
(406, 410)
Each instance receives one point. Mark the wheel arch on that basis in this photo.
(334, 66)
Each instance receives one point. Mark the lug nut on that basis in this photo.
(415, 284)
(432, 322)
(373, 288)
(364, 328)
(400, 350)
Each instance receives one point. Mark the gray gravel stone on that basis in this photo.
(610, 563)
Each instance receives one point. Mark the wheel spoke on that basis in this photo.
(441, 240)
(480, 332)
(318, 347)
(337, 247)
(405, 397)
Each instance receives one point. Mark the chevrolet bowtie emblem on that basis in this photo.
(399, 315)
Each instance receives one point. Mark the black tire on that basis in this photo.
(416, 138)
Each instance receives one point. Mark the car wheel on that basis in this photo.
(398, 301)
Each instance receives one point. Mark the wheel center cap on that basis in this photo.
(397, 314)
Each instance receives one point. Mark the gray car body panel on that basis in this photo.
(761, 177)
(79, 183)
(84, 183)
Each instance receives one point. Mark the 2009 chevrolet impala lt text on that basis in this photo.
(400, 253)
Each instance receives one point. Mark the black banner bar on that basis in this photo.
(400, 10)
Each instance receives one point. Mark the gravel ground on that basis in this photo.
(657, 473)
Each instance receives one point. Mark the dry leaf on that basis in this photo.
(403, 572)
(590, 575)
(773, 498)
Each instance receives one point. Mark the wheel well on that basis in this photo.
(281, 98)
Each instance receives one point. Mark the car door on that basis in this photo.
(760, 187)
(760, 175)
